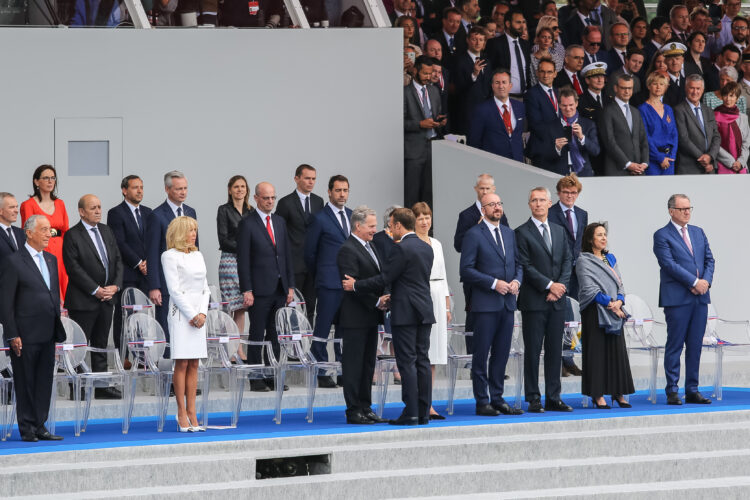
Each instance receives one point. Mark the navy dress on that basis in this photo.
(662, 138)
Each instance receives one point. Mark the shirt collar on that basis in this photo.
(407, 234)
(335, 209)
(31, 251)
(510, 38)
(620, 103)
(564, 208)
(506, 103)
(88, 226)
(262, 214)
(4, 227)
(301, 196)
(174, 207)
(417, 85)
(677, 226)
(479, 206)
(491, 225)
(593, 94)
(361, 241)
(570, 73)
(545, 88)
(693, 106)
(539, 223)
(131, 206)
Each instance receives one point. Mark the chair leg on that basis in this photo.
(311, 380)
(206, 385)
(125, 384)
(719, 372)
(12, 413)
(4, 385)
(132, 382)
(452, 375)
(384, 376)
(279, 382)
(89, 396)
(652, 381)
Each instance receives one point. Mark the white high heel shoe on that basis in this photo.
(181, 428)
(196, 428)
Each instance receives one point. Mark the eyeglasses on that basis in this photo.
(740, 28)
(595, 44)
(494, 204)
(685, 210)
(569, 193)
(555, 28)
(48, 178)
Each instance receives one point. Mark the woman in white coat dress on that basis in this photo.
(439, 291)
(185, 275)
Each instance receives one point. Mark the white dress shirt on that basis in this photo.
(515, 70)
(302, 197)
(175, 207)
(263, 216)
(336, 211)
(12, 234)
(500, 105)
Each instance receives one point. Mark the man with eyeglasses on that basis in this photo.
(739, 33)
(622, 133)
(570, 76)
(725, 36)
(686, 272)
(592, 46)
(543, 109)
(619, 37)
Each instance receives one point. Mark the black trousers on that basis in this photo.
(162, 313)
(305, 283)
(95, 325)
(411, 344)
(358, 366)
(418, 180)
(117, 315)
(32, 380)
(542, 329)
(263, 324)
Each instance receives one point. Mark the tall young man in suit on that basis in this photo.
(489, 266)
(513, 53)
(623, 134)
(619, 38)
(11, 237)
(128, 223)
(94, 268)
(472, 79)
(266, 273)
(686, 271)
(30, 315)
(408, 275)
(359, 316)
(545, 256)
(699, 140)
(328, 231)
(543, 110)
(176, 187)
(298, 208)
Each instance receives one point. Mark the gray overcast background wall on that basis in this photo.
(212, 103)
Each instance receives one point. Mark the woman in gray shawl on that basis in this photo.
(606, 369)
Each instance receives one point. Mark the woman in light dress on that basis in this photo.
(439, 291)
(189, 295)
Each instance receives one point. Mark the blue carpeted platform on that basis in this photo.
(331, 420)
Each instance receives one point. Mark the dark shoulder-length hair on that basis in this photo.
(231, 182)
(588, 237)
(38, 175)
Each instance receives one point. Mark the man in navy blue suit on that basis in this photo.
(542, 103)
(498, 123)
(489, 267)
(11, 238)
(329, 230)
(266, 273)
(592, 46)
(30, 315)
(128, 223)
(686, 272)
(176, 187)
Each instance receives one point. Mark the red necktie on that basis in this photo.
(577, 85)
(268, 228)
(506, 119)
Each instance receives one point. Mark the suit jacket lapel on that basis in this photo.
(363, 252)
(263, 228)
(538, 235)
(300, 209)
(6, 239)
(334, 218)
(90, 244)
(34, 268)
(491, 239)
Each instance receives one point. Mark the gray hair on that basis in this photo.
(174, 174)
(4, 195)
(387, 214)
(675, 8)
(541, 188)
(672, 199)
(730, 72)
(695, 77)
(360, 215)
(482, 177)
(30, 224)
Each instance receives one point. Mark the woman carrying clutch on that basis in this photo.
(189, 295)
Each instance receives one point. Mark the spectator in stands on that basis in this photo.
(731, 10)
(639, 33)
(471, 79)
(592, 46)
(498, 123)
(674, 57)
(734, 132)
(11, 238)
(549, 8)
(469, 10)
(698, 138)
(700, 21)
(542, 50)
(695, 63)
(452, 37)
(658, 65)
(591, 104)
(228, 218)
(542, 104)
(619, 37)
(569, 76)
(679, 20)
(499, 11)
(572, 140)
(714, 99)
(490, 27)
(98, 13)
(660, 30)
(632, 67)
(661, 129)
(513, 53)
(45, 202)
(401, 8)
(622, 133)
(411, 38)
(587, 13)
(557, 51)
(441, 82)
(410, 56)
(745, 82)
(739, 33)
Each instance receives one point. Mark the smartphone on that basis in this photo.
(568, 132)
(412, 56)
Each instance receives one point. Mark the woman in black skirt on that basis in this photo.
(606, 369)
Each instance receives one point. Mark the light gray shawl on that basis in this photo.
(595, 276)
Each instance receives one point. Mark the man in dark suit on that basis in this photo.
(298, 208)
(570, 74)
(176, 187)
(619, 38)
(264, 266)
(11, 238)
(128, 223)
(408, 275)
(686, 271)
(498, 123)
(632, 67)
(699, 139)
(30, 315)
(472, 80)
(591, 103)
(589, 12)
(674, 59)
(542, 104)
(592, 45)
(383, 240)
(328, 231)
(452, 36)
(622, 133)
(489, 266)
(544, 253)
(359, 316)
(661, 31)
(513, 53)
(92, 261)
(423, 122)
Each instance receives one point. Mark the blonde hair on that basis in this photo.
(177, 232)
(656, 76)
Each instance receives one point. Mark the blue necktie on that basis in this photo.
(451, 45)
(499, 242)
(138, 219)
(697, 110)
(102, 253)
(43, 268)
(179, 211)
(344, 225)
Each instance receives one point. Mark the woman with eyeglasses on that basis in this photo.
(45, 202)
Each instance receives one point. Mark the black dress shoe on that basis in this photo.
(107, 393)
(436, 416)
(357, 418)
(697, 398)
(487, 411)
(402, 420)
(29, 438)
(507, 409)
(326, 382)
(556, 405)
(424, 420)
(535, 406)
(271, 383)
(574, 370)
(374, 417)
(674, 399)
(47, 436)
(258, 386)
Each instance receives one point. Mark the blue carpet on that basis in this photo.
(331, 420)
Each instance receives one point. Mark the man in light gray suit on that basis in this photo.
(423, 121)
(623, 136)
(699, 139)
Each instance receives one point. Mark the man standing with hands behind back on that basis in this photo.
(687, 269)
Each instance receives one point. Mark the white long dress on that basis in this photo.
(439, 291)
(185, 274)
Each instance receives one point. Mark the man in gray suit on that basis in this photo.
(623, 134)
(423, 118)
(699, 139)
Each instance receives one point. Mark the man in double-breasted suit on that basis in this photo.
(298, 208)
(545, 256)
(30, 315)
(264, 267)
(698, 136)
(686, 272)
(94, 268)
(489, 266)
(11, 237)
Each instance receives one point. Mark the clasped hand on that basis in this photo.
(503, 287)
(616, 307)
(384, 302)
(105, 293)
(556, 291)
(198, 321)
(700, 288)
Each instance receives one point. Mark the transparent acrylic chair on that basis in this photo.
(456, 359)
(7, 394)
(133, 301)
(146, 343)
(385, 364)
(644, 334)
(515, 358)
(217, 301)
(572, 346)
(724, 336)
(299, 302)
